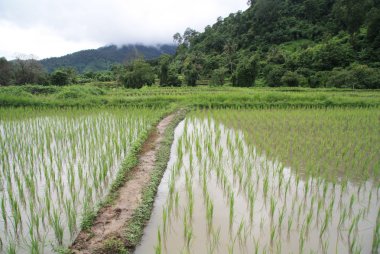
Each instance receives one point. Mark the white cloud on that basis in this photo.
(38, 41)
(56, 27)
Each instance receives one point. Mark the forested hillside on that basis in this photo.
(315, 43)
(103, 58)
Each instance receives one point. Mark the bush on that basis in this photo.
(357, 76)
(139, 74)
(59, 78)
(218, 76)
(173, 79)
(318, 79)
(246, 72)
(333, 54)
(340, 78)
(274, 75)
(191, 75)
(76, 92)
(290, 79)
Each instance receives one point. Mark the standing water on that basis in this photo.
(219, 195)
(55, 166)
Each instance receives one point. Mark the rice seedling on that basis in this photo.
(164, 219)
(231, 201)
(11, 248)
(158, 248)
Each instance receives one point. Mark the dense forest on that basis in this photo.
(313, 43)
(308, 43)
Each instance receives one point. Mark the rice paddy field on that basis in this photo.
(270, 181)
(250, 171)
(56, 165)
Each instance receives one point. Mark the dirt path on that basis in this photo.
(112, 220)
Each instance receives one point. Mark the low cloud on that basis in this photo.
(52, 28)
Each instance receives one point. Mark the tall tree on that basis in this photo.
(138, 73)
(230, 50)
(246, 72)
(177, 38)
(29, 71)
(164, 69)
(351, 14)
(373, 31)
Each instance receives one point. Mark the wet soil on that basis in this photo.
(111, 221)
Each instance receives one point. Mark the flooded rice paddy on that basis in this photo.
(55, 166)
(222, 195)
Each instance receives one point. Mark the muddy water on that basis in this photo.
(49, 172)
(219, 196)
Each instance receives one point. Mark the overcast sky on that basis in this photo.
(47, 28)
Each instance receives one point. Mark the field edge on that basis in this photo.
(134, 231)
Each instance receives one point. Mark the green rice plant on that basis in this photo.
(35, 245)
(239, 233)
(273, 231)
(376, 235)
(55, 221)
(191, 205)
(3, 211)
(251, 204)
(272, 207)
(281, 218)
(342, 218)
(209, 211)
(176, 200)
(265, 186)
(11, 248)
(290, 223)
(352, 200)
(309, 218)
(164, 219)
(158, 248)
(231, 201)
(214, 241)
(325, 224)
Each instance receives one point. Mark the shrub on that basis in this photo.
(357, 76)
(274, 75)
(173, 79)
(191, 75)
(59, 78)
(290, 79)
(138, 74)
(246, 72)
(218, 76)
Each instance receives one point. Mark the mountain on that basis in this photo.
(314, 43)
(104, 57)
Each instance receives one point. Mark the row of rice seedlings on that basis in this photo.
(55, 166)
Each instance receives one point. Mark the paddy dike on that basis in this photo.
(111, 221)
